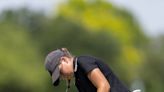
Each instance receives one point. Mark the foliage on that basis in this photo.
(20, 64)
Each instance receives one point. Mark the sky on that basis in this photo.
(148, 12)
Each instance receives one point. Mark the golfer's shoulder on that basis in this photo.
(86, 63)
(83, 58)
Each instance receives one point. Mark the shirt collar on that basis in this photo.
(75, 64)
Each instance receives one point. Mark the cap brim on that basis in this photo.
(55, 77)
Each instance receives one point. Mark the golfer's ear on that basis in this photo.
(64, 59)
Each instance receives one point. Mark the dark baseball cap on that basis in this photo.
(51, 64)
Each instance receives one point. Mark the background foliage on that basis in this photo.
(95, 28)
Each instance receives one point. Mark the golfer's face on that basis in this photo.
(65, 68)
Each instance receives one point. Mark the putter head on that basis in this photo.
(137, 90)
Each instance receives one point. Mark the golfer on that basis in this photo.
(91, 74)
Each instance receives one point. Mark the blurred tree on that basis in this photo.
(20, 64)
(32, 21)
(153, 72)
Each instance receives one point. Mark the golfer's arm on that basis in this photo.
(99, 80)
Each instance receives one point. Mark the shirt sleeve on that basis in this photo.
(87, 63)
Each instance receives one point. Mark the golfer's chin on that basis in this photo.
(68, 76)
